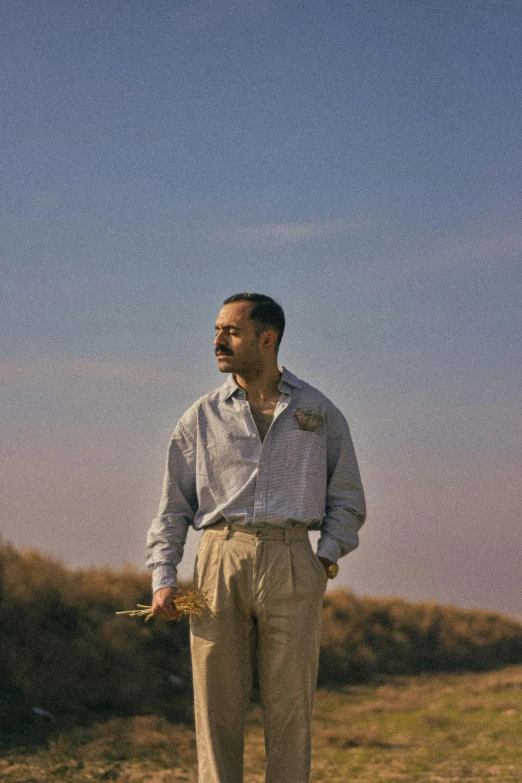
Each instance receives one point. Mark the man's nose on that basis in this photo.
(218, 338)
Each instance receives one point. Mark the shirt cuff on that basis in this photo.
(330, 549)
(164, 575)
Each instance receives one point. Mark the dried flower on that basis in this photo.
(187, 601)
(309, 420)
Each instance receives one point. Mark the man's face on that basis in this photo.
(236, 344)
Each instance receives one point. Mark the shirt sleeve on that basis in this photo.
(168, 531)
(345, 505)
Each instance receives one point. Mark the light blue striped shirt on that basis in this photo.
(304, 473)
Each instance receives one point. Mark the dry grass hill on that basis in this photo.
(409, 692)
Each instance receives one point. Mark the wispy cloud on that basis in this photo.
(208, 13)
(49, 371)
(468, 248)
(286, 233)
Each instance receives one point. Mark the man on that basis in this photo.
(255, 464)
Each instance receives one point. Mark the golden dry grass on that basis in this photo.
(426, 729)
(187, 601)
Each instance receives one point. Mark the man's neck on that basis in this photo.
(262, 386)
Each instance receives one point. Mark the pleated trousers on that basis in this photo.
(265, 588)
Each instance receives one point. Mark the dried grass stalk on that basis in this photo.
(188, 600)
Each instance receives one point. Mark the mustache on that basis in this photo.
(223, 349)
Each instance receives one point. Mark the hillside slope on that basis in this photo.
(65, 652)
(437, 728)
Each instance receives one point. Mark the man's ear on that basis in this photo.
(269, 338)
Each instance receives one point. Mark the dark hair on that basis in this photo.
(265, 311)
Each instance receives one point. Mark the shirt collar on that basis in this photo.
(288, 380)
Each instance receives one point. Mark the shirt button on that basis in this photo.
(253, 435)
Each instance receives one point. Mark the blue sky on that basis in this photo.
(360, 162)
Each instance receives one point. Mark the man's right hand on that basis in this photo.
(162, 603)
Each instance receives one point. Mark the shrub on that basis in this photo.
(363, 637)
(65, 651)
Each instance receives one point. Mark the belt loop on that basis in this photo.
(226, 531)
(288, 535)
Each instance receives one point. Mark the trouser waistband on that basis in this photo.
(286, 534)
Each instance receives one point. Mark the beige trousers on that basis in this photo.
(266, 589)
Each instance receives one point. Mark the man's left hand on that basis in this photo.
(327, 563)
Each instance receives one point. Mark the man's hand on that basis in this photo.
(162, 603)
(327, 563)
